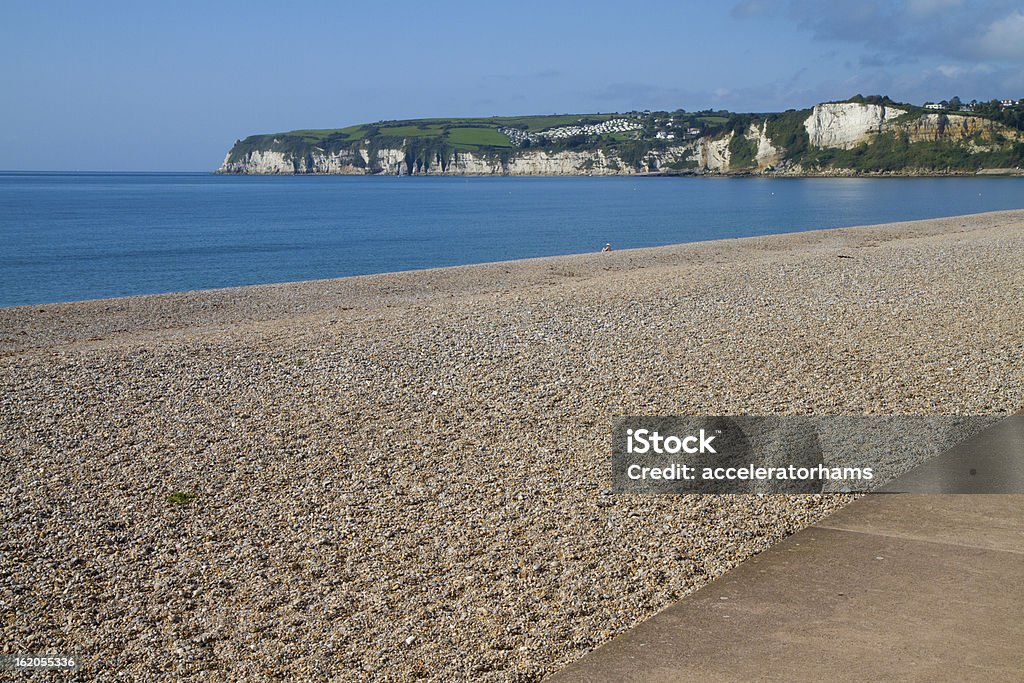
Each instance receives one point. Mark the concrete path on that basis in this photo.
(912, 587)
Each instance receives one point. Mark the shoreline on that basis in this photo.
(406, 475)
(838, 173)
(508, 262)
(834, 173)
(265, 301)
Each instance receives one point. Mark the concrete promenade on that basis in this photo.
(923, 584)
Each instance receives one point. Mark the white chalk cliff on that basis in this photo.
(768, 155)
(846, 124)
(392, 161)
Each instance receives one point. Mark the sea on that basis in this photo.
(74, 236)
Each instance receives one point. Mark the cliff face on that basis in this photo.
(835, 126)
(846, 124)
(261, 162)
(956, 128)
(768, 155)
(392, 161)
(711, 155)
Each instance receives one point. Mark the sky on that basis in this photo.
(171, 85)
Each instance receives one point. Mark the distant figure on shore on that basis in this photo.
(607, 246)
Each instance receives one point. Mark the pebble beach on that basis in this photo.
(407, 476)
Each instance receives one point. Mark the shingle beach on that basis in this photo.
(407, 475)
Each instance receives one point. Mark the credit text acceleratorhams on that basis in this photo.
(679, 472)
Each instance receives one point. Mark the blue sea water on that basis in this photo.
(71, 236)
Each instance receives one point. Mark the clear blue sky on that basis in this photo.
(169, 86)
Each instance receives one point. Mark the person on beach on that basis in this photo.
(607, 247)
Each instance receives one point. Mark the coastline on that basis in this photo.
(408, 470)
(833, 173)
(21, 327)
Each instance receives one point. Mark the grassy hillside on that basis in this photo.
(469, 134)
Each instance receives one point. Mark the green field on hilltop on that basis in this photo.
(479, 137)
(457, 131)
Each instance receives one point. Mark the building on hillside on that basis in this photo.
(933, 105)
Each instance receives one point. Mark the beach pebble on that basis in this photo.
(291, 481)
